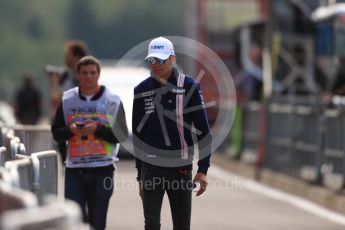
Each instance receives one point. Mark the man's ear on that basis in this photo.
(173, 59)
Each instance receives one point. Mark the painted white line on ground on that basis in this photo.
(267, 191)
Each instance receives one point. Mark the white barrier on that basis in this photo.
(51, 215)
(35, 138)
(45, 166)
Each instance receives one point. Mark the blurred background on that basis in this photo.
(285, 33)
(33, 33)
(287, 62)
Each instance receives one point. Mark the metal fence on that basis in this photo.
(334, 146)
(3, 153)
(51, 215)
(21, 171)
(45, 165)
(37, 173)
(35, 138)
(27, 176)
(7, 135)
(251, 132)
(278, 155)
(302, 138)
(12, 198)
(307, 142)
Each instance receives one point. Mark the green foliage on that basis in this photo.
(33, 31)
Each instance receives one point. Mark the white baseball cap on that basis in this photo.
(160, 48)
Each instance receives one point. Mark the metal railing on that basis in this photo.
(45, 165)
(307, 143)
(12, 198)
(251, 132)
(7, 136)
(302, 138)
(27, 176)
(278, 155)
(35, 138)
(51, 215)
(334, 146)
(3, 153)
(37, 173)
(21, 171)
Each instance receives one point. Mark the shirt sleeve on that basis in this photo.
(138, 136)
(61, 132)
(200, 121)
(118, 132)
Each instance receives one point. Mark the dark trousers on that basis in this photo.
(178, 186)
(92, 191)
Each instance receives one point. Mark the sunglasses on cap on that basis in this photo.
(154, 60)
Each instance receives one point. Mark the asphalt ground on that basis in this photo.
(230, 202)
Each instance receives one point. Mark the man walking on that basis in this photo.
(74, 50)
(168, 109)
(92, 120)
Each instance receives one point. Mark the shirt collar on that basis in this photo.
(96, 96)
